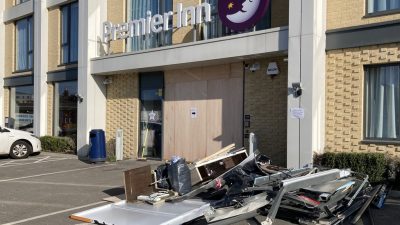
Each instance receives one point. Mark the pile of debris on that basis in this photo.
(231, 186)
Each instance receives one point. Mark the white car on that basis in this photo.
(18, 144)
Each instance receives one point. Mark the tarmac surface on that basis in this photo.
(46, 189)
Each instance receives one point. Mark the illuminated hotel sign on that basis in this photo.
(240, 15)
(156, 23)
(237, 15)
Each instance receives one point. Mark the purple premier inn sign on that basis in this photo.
(240, 15)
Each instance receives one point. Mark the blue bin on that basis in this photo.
(97, 152)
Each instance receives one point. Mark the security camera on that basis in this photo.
(79, 98)
(253, 68)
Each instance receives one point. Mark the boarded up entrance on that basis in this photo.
(203, 110)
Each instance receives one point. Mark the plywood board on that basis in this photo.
(137, 182)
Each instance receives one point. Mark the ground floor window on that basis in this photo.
(65, 109)
(151, 114)
(21, 108)
(382, 103)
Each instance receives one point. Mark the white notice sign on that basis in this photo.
(193, 113)
(297, 113)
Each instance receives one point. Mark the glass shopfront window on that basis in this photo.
(21, 108)
(65, 109)
(137, 9)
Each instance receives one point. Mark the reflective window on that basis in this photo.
(137, 9)
(215, 29)
(69, 33)
(24, 44)
(151, 114)
(382, 99)
(65, 109)
(382, 5)
(17, 2)
(21, 108)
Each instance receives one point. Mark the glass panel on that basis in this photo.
(21, 113)
(137, 9)
(30, 42)
(74, 32)
(151, 99)
(22, 44)
(65, 109)
(382, 97)
(382, 5)
(64, 34)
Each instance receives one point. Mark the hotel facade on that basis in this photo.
(188, 77)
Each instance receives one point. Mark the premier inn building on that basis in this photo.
(188, 77)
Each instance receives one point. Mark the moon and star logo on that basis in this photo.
(240, 15)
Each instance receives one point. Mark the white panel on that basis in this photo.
(92, 110)
(306, 136)
(2, 58)
(19, 11)
(238, 46)
(40, 67)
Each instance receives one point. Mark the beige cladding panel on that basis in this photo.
(9, 49)
(279, 13)
(123, 112)
(347, 13)
(266, 103)
(50, 108)
(54, 39)
(116, 13)
(344, 97)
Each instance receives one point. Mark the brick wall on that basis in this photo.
(9, 3)
(6, 102)
(9, 49)
(279, 13)
(116, 13)
(266, 103)
(50, 108)
(347, 13)
(54, 39)
(123, 112)
(344, 97)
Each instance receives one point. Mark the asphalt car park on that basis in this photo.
(46, 189)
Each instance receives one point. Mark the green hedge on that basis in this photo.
(373, 164)
(58, 144)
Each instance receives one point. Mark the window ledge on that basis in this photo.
(380, 142)
(22, 72)
(381, 13)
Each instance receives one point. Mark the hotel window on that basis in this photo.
(21, 108)
(17, 2)
(382, 5)
(137, 9)
(65, 109)
(69, 33)
(215, 29)
(382, 103)
(24, 44)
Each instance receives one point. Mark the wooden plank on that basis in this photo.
(137, 182)
(224, 150)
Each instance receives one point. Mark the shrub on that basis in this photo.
(373, 164)
(58, 144)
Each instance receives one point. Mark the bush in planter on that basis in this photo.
(58, 144)
(373, 164)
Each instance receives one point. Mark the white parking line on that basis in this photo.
(21, 163)
(47, 174)
(40, 160)
(65, 184)
(53, 213)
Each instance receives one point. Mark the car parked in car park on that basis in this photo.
(18, 144)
